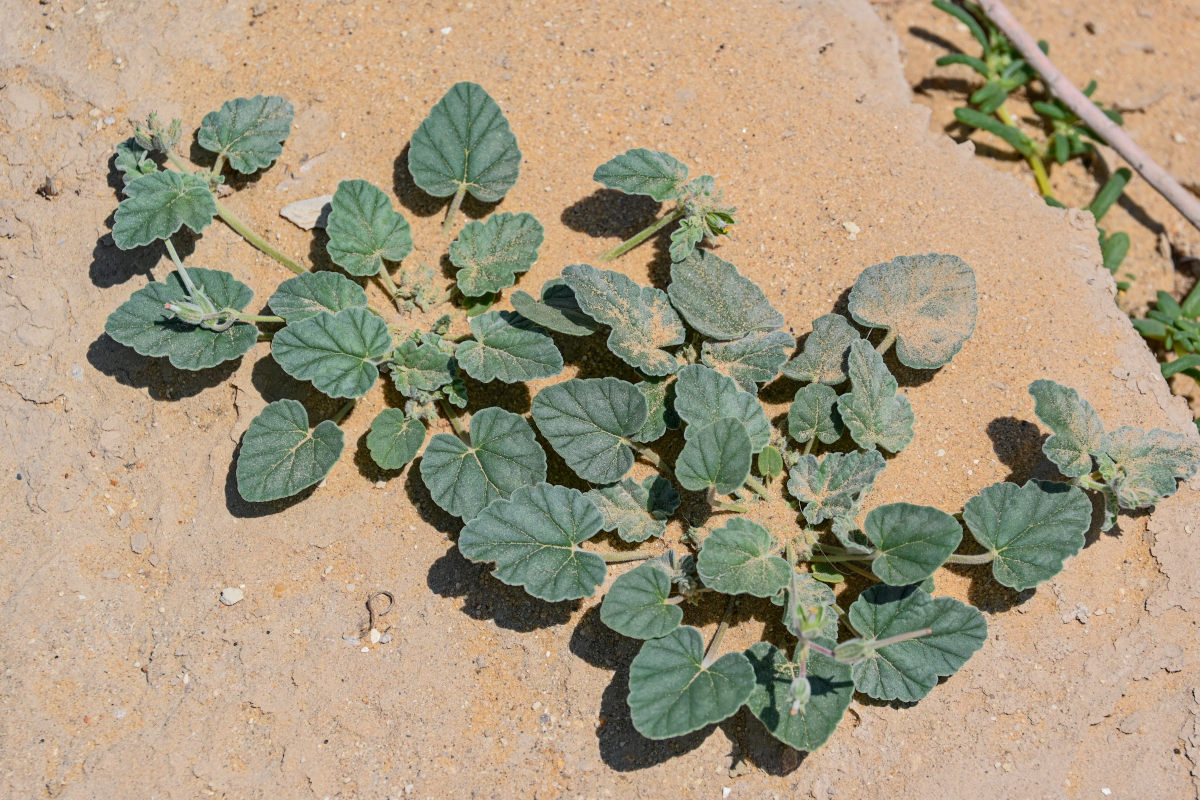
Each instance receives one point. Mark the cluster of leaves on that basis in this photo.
(1175, 327)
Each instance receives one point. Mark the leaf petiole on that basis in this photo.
(633, 241)
(452, 211)
(612, 557)
(230, 219)
(182, 270)
(715, 644)
(452, 416)
(342, 412)
(978, 558)
(757, 486)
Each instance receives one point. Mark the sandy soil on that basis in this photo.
(124, 676)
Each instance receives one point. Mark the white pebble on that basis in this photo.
(375, 636)
(231, 595)
(446, 31)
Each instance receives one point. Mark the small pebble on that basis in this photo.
(310, 213)
(385, 638)
(231, 595)
(259, 9)
(446, 31)
(375, 636)
(139, 542)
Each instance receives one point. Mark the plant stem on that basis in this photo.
(219, 164)
(1032, 157)
(390, 285)
(182, 270)
(651, 457)
(256, 317)
(633, 241)
(883, 346)
(978, 558)
(837, 558)
(757, 486)
(452, 416)
(808, 446)
(859, 570)
(845, 617)
(452, 212)
(342, 412)
(253, 238)
(621, 558)
(720, 634)
(734, 507)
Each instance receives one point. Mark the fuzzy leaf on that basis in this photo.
(133, 161)
(533, 537)
(509, 348)
(395, 438)
(873, 412)
(717, 456)
(686, 236)
(736, 559)
(751, 360)
(636, 604)
(770, 462)
(1146, 464)
(636, 511)
(490, 253)
(334, 351)
(704, 396)
(648, 172)
(503, 456)
(717, 300)
(1030, 529)
(810, 593)
(814, 414)
(672, 692)
(641, 317)
(1077, 430)
(249, 131)
(660, 410)
(364, 230)
(833, 485)
(421, 367)
(157, 205)
(310, 294)
(465, 141)
(832, 690)
(280, 456)
(556, 311)
(929, 302)
(587, 422)
(825, 353)
(912, 541)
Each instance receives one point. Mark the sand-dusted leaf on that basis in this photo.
(641, 317)
(509, 348)
(832, 690)
(489, 253)
(310, 294)
(912, 541)
(907, 670)
(1077, 432)
(928, 301)
(704, 396)
(503, 456)
(395, 438)
(737, 559)
(364, 230)
(641, 171)
(834, 484)
(557, 309)
(280, 456)
(805, 592)
(814, 415)
(846, 530)
(421, 367)
(588, 422)
(716, 456)
(465, 142)
(636, 511)
(660, 409)
(825, 353)
(717, 300)
(249, 131)
(873, 412)
(751, 360)
(142, 322)
(1030, 529)
(338, 352)
(534, 536)
(636, 605)
(1143, 466)
(133, 160)
(673, 692)
(157, 205)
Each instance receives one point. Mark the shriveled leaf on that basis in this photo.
(825, 353)
(751, 360)
(133, 160)
(704, 396)
(636, 511)
(509, 348)
(588, 423)
(337, 352)
(280, 456)
(421, 367)
(1077, 432)
(814, 415)
(912, 541)
(641, 171)
(1146, 464)
(364, 230)
(249, 131)
(557, 309)
(873, 412)
(737, 559)
(310, 294)
(660, 410)
(395, 438)
(533, 537)
(490, 253)
(832, 690)
(717, 300)
(636, 605)
(834, 484)
(716, 456)
(157, 205)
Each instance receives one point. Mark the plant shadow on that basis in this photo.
(156, 375)
(1018, 445)
(608, 212)
(417, 201)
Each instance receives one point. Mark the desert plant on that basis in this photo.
(1175, 327)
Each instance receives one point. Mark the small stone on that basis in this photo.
(154, 558)
(259, 9)
(446, 31)
(852, 229)
(385, 638)
(231, 595)
(139, 542)
(310, 213)
(375, 636)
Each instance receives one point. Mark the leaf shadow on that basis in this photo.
(156, 375)
(112, 266)
(513, 397)
(244, 509)
(756, 745)
(608, 212)
(418, 202)
(272, 383)
(1018, 445)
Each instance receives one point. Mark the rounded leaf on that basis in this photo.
(1077, 432)
(826, 350)
(873, 412)
(418, 367)
(640, 171)
(509, 348)
(364, 230)
(636, 605)
(834, 485)
(588, 423)
(704, 396)
(751, 360)
(490, 253)
(660, 410)
(814, 415)
(249, 131)
(717, 300)
(718, 456)
(310, 294)
(133, 160)
(395, 438)
(1144, 465)
(832, 691)
(737, 559)
(157, 205)
(280, 456)
(334, 351)
(912, 541)
(636, 511)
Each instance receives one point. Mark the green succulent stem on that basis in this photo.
(232, 220)
(612, 557)
(714, 645)
(633, 241)
(452, 211)
(977, 558)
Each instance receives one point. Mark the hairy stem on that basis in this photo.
(230, 219)
(182, 270)
(757, 486)
(734, 507)
(651, 457)
(883, 346)
(392, 289)
(710, 653)
(978, 558)
(611, 557)
(633, 241)
(452, 212)
(453, 417)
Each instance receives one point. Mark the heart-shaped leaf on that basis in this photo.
(928, 302)
(364, 230)
(835, 484)
(490, 253)
(418, 367)
(337, 352)
(673, 692)
(912, 541)
(534, 536)
(1142, 466)
(395, 438)
(588, 422)
(660, 410)
(704, 396)
(832, 690)
(636, 605)
(717, 456)
(509, 348)
(503, 456)
(751, 360)
(641, 171)
(249, 131)
(770, 462)
(133, 160)
(636, 511)
(310, 294)
(557, 310)
(641, 318)
(814, 415)
(873, 413)
(1077, 432)
(1030, 529)
(717, 300)
(157, 205)
(825, 353)
(737, 559)
(280, 456)
(143, 323)
(465, 142)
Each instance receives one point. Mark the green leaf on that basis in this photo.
(826, 351)
(503, 456)
(1146, 464)
(641, 317)
(337, 352)
(465, 141)
(312, 293)
(809, 593)
(913, 541)
(737, 559)
(280, 456)
(490, 253)
(751, 360)
(557, 309)
(142, 322)
(908, 670)
(133, 161)
(1189, 362)
(1109, 193)
(1030, 529)
(770, 462)
(1078, 433)
(474, 306)
(833, 485)
(1114, 249)
(534, 536)
(873, 413)
(364, 230)
(928, 301)
(717, 456)
(636, 604)
(832, 690)
(418, 367)
(717, 300)
(588, 423)
(249, 131)
(509, 348)
(686, 236)
(648, 172)
(157, 205)
(814, 415)
(704, 396)
(985, 121)
(673, 692)
(660, 410)
(636, 511)
(395, 438)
